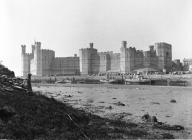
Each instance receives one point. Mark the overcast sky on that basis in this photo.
(68, 25)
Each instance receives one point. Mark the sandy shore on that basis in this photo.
(125, 102)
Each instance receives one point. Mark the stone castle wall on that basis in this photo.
(104, 61)
(48, 57)
(115, 62)
(42, 62)
(158, 57)
(65, 66)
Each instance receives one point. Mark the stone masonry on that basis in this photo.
(42, 62)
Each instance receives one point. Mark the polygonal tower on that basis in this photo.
(25, 61)
(89, 60)
(123, 57)
(36, 66)
(164, 54)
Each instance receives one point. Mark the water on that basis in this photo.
(137, 99)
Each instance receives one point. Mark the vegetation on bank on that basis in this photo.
(6, 71)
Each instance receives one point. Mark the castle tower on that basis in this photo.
(89, 60)
(37, 61)
(164, 54)
(25, 61)
(33, 49)
(124, 65)
(24, 66)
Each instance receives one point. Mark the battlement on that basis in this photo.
(90, 47)
(107, 52)
(28, 54)
(162, 45)
(87, 49)
(131, 48)
(68, 57)
(37, 43)
(48, 50)
(23, 46)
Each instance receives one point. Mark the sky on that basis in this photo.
(65, 26)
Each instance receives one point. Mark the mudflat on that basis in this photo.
(171, 105)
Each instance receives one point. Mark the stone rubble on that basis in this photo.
(11, 83)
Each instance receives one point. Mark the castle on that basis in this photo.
(42, 62)
(158, 58)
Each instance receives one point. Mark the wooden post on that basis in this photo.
(29, 88)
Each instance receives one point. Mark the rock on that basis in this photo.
(148, 118)
(167, 136)
(119, 104)
(154, 119)
(101, 102)
(168, 127)
(177, 127)
(9, 83)
(157, 103)
(69, 96)
(109, 107)
(6, 113)
(145, 117)
(173, 101)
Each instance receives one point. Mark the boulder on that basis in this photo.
(148, 118)
(173, 101)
